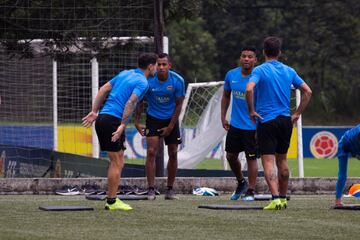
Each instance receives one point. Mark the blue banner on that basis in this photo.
(322, 142)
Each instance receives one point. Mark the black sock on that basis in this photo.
(241, 181)
(282, 196)
(250, 191)
(169, 187)
(275, 196)
(151, 188)
(110, 200)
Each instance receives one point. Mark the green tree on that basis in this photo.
(321, 39)
(193, 50)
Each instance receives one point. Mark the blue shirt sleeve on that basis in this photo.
(227, 86)
(255, 75)
(141, 88)
(113, 81)
(297, 80)
(180, 88)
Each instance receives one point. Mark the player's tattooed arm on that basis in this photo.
(129, 109)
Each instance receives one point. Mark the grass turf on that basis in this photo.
(312, 167)
(308, 217)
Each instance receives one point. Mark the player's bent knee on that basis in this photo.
(151, 152)
(284, 174)
(231, 157)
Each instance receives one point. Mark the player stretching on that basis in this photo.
(122, 94)
(164, 97)
(241, 130)
(349, 145)
(274, 81)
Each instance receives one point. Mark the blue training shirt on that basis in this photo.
(123, 85)
(349, 144)
(161, 96)
(274, 80)
(236, 83)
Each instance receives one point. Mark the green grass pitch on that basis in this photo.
(307, 217)
(312, 167)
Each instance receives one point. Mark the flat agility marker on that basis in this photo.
(121, 197)
(66, 208)
(265, 197)
(348, 207)
(231, 207)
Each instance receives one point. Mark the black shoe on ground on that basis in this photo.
(151, 195)
(240, 189)
(170, 195)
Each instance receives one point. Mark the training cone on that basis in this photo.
(355, 190)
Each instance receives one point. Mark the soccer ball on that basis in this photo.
(355, 190)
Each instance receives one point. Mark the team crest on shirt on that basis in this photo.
(169, 88)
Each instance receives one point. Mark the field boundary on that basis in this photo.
(183, 185)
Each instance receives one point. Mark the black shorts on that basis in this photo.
(239, 140)
(105, 125)
(153, 124)
(274, 135)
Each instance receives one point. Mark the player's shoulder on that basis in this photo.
(152, 78)
(137, 74)
(259, 68)
(233, 71)
(356, 129)
(176, 76)
(123, 73)
(290, 69)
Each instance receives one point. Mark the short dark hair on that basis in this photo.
(249, 48)
(145, 59)
(164, 55)
(272, 46)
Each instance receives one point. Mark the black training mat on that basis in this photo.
(265, 197)
(348, 207)
(66, 208)
(121, 197)
(95, 197)
(231, 207)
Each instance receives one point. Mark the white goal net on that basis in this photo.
(201, 125)
(203, 134)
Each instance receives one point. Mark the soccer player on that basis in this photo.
(122, 94)
(241, 130)
(165, 97)
(349, 145)
(274, 81)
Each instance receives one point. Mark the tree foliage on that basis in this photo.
(321, 38)
(321, 41)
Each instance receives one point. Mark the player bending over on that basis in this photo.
(349, 145)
